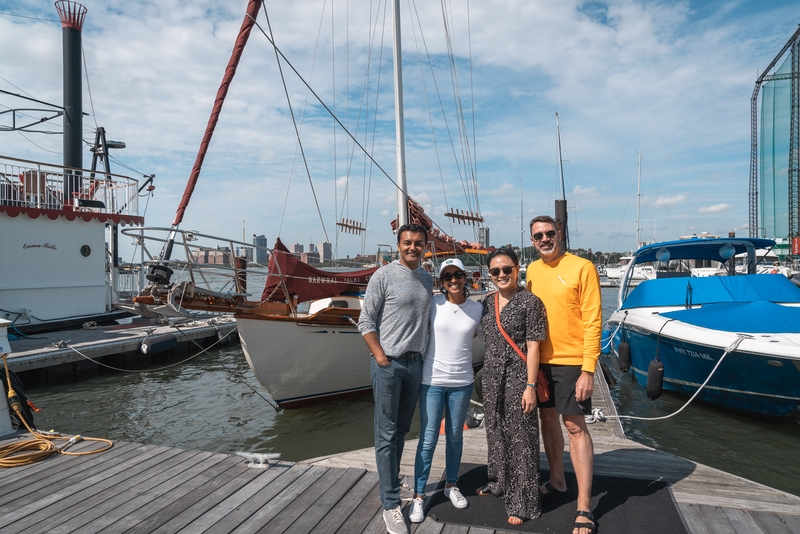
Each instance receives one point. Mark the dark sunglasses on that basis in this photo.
(458, 275)
(538, 235)
(506, 270)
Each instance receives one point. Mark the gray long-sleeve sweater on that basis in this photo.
(396, 306)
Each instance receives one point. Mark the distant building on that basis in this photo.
(483, 236)
(309, 257)
(218, 256)
(261, 253)
(325, 251)
(297, 248)
(244, 252)
(312, 248)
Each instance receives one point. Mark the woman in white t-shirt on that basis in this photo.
(447, 378)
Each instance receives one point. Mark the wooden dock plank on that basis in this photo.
(342, 510)
(322, 509)
(43, 468)
(245, 494)
(364, 514)
(300, 509)
(25, 480)
(429, 526)
(216, 492)
(162, 483)
(716, 519)
(772, 523)
(61, 497)
(743, 522)
(121, 492)
(184, 494)
(693, 518)
(141, 466)
(268, 511)
(241, 513)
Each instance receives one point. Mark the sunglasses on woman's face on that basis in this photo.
(507, 270)
(458, 275)
(539, 235)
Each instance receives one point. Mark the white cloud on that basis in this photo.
(662, 202)
(716, 208)
(503, 189)
(587, 192)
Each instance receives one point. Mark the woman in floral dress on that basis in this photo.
(509, 390)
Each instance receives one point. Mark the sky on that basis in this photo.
(669, 79)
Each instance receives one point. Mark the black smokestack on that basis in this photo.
(72, 15)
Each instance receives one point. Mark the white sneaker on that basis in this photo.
(455, 497)
(417, 514)
(395, 522)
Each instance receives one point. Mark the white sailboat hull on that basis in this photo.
(300, 363)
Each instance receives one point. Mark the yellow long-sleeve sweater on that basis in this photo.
(570, 290)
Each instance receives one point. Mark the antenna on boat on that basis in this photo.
(638, 199)
(160, 273)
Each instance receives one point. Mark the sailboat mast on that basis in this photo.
(638, 199)
(561, 204)
(402, 193)
(560, 162)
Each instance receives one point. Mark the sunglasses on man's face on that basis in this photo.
(539, 235)
(507, 270)
(458, 275)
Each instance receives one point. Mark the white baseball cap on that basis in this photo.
(451, 262)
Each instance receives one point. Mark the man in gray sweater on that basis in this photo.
(394, 323)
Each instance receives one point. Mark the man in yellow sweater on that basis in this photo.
(570, 290)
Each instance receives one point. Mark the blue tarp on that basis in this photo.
(713, 290)
(753, 317)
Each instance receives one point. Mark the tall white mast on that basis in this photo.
(521, 227)
(638, 198)
(402, 193)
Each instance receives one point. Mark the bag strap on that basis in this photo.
(502, 331)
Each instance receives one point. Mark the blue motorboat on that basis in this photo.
(688, 323)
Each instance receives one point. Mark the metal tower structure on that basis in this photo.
(794, 143)
(765, 77)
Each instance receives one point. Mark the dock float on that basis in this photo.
(49, 357)
(136, 488)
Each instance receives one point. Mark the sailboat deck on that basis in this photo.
(148, 488)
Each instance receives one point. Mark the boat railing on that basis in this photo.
(36, 185)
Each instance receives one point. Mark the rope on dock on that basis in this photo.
(42, 446)
(598, 415)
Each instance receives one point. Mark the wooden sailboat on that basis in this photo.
(301, 338)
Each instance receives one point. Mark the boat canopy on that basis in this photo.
(307, 283)
(698, 248)
(759, 317)
(696, 291)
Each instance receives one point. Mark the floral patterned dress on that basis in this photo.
(512, 436)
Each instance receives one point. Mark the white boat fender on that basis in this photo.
(655, 379)
(624, 352)
(156, 344)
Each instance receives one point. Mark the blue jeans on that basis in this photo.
(396, 388)
(432, 400)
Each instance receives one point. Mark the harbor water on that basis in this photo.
(213, 403)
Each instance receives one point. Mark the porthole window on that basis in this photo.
(86, 250)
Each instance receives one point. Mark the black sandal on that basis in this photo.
(591, 526)
(552, 493)
(486, 490)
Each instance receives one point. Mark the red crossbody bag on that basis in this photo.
(542, 387)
